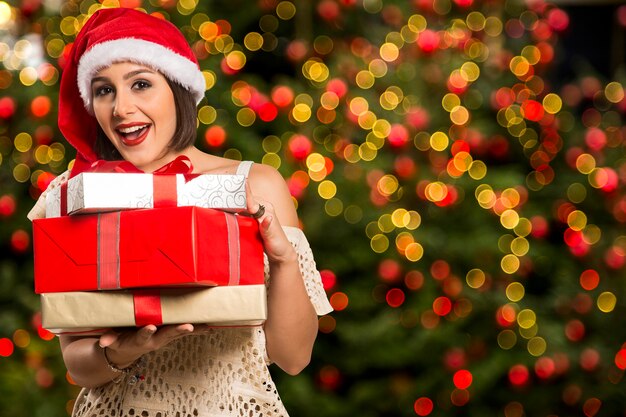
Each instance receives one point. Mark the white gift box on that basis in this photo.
(91, 192)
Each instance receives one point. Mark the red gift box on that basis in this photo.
(174, 246)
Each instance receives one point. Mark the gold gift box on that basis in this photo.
(94, 311)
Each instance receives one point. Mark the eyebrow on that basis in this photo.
(127, 76)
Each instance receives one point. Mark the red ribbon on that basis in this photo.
(109, 250)
(180, 165)
(147, 305)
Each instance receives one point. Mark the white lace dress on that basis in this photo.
(222, 373)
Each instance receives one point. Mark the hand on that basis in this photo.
(277, 246)
(125, 347)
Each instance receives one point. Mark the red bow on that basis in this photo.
(180, 165)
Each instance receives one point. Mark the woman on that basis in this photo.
(129, 91)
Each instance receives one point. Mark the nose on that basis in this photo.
(123, 104)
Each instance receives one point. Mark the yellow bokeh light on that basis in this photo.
(400, 217)
(470, 71)
(333, 207)
(519, 66)
(526, 319)
(385, 224)
(329, 100)
(475, 278)
(367, 120)
(414, 252)
(315, 162)
(592, 234)
(327, 189)
(577, 220)
(285, 10)
(389, 100)
(253, 41)
(450, 101)
(417, 23)
(365, 79)
(462, 161)
(510, 264)
(523, 228)
(28, 76)
(477, 170)
(614, 92)
(459, 115)
(379, 243)
(368, 151)
(209, 31)
(439, 141)
(207, 115)
(236, 60)
(301, 112)
(389, 52)
(507, 339)
(552, 103)
(585, 163)
(5, 13)
(520, 246)
(606, 302)
(378, 68)
(532, 54)
(387, 184)
(530, 332)
(23, 142)
(576, 192)
(537, 346)
(515, 291)
(21, 173)
(509, 218)
(414, 220)
(209, 79)
(272, 160)
(381, 128)
(475, 21)
(486, 198)
(436, 191)
(246, 117)
(358, 106)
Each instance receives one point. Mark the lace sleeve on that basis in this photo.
(39, 209)
(310, 274)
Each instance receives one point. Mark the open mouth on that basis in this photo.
(133, 135)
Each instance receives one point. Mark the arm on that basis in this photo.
(291, 326)
(85, 360)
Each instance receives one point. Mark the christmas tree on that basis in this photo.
(467, 212)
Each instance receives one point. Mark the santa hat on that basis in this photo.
(114, 35)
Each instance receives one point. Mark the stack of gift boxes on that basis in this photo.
(131, 249)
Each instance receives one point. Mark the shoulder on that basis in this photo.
(269, 185)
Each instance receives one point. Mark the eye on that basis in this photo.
(102, 90)
(141, 85)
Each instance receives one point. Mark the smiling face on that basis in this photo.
(135, 108)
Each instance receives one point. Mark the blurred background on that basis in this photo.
(459, 167)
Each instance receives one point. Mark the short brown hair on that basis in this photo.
(186, 125)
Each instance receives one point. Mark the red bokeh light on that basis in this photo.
(545, 367)
(6, 347)
(329, 279)
(267, 112)
(398, 136)
(589, 359)
(395, 297)
(282, 96)
(462, 379)
(40, 106)
(620, 359)
(423, 406)
(418, 118)
(575, 330)
(299, 146)
(329, 377)
(7, 107)
(459, 397)
(589, 279)
(215, 136)
(7, 205)
(442, 306)
(428, 41)
(533, 110)
(389, 270)
(518, 375)
(558, 19)
(20, 241)
(339, 301)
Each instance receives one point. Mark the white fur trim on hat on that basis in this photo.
(172, 65)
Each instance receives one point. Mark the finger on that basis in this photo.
(168, 333)
(145, 333)
(266, 223)
(108, 338)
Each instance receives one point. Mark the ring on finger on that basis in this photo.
(260, 212)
